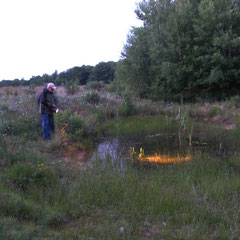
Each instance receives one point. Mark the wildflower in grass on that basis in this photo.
(41, 166)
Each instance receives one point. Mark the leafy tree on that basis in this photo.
(134, 70)
(103, 71)
(80, 74)
(73, 76)
(217, 48)
(186, 48)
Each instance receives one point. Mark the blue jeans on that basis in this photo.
(47, 123)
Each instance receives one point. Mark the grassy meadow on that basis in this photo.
(49, 191)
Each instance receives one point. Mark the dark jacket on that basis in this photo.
(46, 101)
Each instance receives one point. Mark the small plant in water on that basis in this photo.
(141, 153)
(185, 123)
(132, 151)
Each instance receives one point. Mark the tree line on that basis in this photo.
(186, 49)
(103, 71)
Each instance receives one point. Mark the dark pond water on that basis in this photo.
(155, 148)
(160, 141)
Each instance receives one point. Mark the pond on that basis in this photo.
(155, 148)
(157, 141)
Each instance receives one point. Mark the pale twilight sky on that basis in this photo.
(41, 36)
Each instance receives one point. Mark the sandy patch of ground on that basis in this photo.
(74, 154)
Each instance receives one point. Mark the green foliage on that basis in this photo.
(78, 74)
(19, 208)
(24, 174)
(75, 124)
(135, 125)
(234, 102)
(13, 157)
(43, 197)
(134, 71)
(127, 108)
(63, 117)
(186, 49)
(105, 113)
(25, 126)
(71, 88)
(16, 206)
(92, 98)
(103, 71)
(148, 108)
(115, 87)
(97, 200)
(214, 111)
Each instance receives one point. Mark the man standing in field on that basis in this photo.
(47, 107)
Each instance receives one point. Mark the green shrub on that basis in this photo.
(214, 111)
(91, 124)
(22, 175)
(20, 125)
(12, 228)
(22, 156)
(115, 87)
(234, 102)
(71, 88)
(13, 157)
(127, 108)
(63, 117)
(107, 112)
(148, 108)
(9, 157)
(13, 205)
(75, 126)
(92, 98)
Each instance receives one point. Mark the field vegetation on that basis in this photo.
(50, 191)
(178, 77)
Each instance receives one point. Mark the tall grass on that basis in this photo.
(41, 197)
(197, 199)
(136, 125)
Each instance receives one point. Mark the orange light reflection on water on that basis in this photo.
(164, 159)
